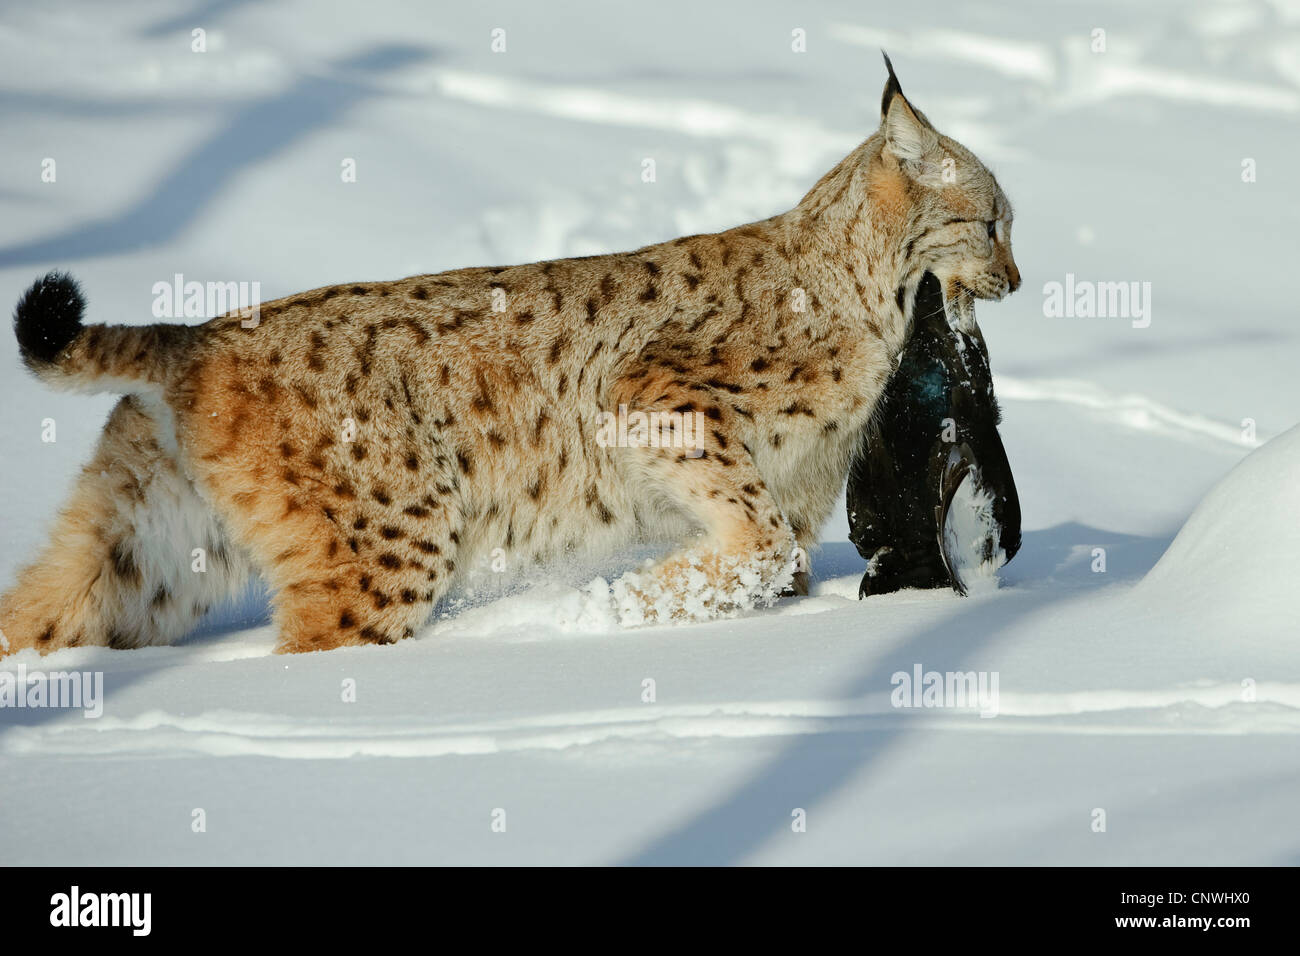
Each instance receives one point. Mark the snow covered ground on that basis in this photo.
(1159, 697)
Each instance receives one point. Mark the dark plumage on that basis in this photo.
(902, 483)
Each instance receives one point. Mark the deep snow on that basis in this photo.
(1164, 691)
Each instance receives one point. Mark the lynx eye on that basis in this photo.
(993, 228)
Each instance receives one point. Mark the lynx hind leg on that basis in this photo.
(326, 596)
(120, 568)
(367, 569)
(747, 555)
(352, 557)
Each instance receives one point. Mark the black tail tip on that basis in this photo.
(48, 317)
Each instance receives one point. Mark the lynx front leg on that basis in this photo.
(747, 555)
(121, 567)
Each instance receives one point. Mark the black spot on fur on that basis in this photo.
(124, 565)
(369, 633)
(48, 317)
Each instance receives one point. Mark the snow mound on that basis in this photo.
(1236, 560)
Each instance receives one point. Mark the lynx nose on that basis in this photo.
(1013, 276)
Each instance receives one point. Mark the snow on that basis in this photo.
(1163, 690)
(1242, 540)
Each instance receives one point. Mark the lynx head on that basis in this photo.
(958, 220)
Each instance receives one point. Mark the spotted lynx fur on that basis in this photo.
(363, 445)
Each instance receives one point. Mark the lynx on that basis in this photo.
(363, 445)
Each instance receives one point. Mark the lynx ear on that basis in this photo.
(908, 134)
(892, 88)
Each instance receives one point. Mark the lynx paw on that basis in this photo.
(702, 585)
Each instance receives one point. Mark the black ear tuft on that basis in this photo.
(48, 317)
(892, 87)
